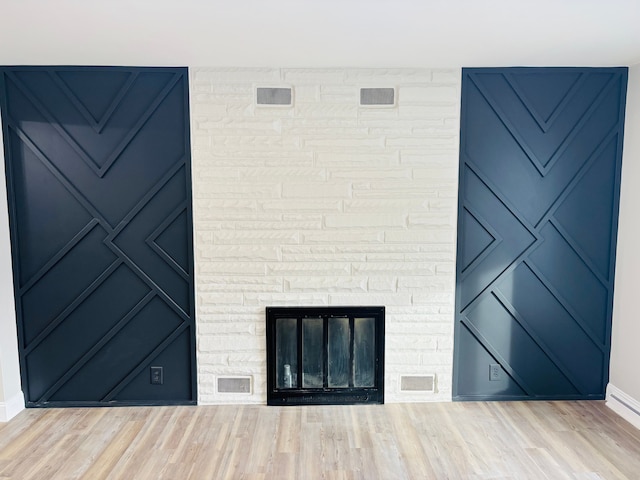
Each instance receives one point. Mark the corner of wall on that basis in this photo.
(11, 407)
(11, 397)
(626, 325)
(624, 405)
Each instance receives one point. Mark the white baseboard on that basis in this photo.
(624, 405)
(11, 407)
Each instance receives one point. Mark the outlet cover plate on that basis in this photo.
(495, 372)
(157, 375)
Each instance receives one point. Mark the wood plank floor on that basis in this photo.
(516, 440)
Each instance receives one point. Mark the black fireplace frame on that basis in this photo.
(325, 395)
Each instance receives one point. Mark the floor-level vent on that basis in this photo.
(415, 383)
(234, 384)
(377, 97)
(274, 96)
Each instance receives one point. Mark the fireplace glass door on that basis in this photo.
(325, 355)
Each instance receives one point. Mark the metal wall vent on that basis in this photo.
(234, 384)
(414, 383)
(377, 97)
(275, 96)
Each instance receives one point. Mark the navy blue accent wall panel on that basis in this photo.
(540, 158)
(99, 184)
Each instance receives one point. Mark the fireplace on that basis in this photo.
(325, 355)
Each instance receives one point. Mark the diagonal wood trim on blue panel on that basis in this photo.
(99, 168)
(539, 342)
(97, 124)
(546, 283)
(542, 165)
(49, 265)
(145, 362)
(114, 143)
(151, 240)
(56, 173)
(494, 202)
(545, 123)
(139, 124)
(504, 363)
(540, 152)
(610, 137)
(484, 250)
(29, 347)
(96, 347)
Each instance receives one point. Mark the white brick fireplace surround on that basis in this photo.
(324, 203)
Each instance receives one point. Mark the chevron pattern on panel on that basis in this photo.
(551, 99)
(103, 300)
(153, 239)
(478, 239)
(540, 166)
(96, 118)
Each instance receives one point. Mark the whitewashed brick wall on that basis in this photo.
(324, 203)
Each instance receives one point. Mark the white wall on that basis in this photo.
(11, 399)
(325, 203)
(625, 354)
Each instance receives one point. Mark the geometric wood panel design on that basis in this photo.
(540, 158)
(99, 181)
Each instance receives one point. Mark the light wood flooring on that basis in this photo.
(517, 440)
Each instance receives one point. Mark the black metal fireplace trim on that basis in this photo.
(324, 396)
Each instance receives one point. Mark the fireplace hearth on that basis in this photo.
(325, 355)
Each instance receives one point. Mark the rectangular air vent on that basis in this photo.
(274, 96)
(377, 97)
(417, 383)
(234, 384)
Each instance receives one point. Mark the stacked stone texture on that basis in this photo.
(324, 203)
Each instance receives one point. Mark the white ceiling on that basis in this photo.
(321, 33)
